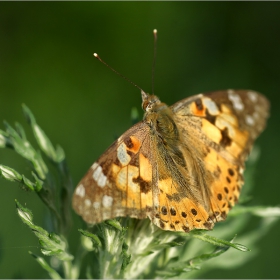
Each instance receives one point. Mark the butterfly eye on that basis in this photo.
(152, 104)
(149, 106)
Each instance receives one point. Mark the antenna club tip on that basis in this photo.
(155, 31)
(95, 55)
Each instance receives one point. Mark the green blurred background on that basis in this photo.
(46, 62)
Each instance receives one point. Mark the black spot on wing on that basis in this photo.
(198, 104)
(226, 140)
(145, 187)
(210, 118)
(174, 197)
(194, 212)
(128, 143)
(230, 172)
(164, 210)
(172, 211)
(184, 214)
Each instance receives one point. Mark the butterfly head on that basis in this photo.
(151, 102)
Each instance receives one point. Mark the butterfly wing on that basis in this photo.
(221, 128)
(119, 182)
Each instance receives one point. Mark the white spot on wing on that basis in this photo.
(253, 96)
(107, 201)
(236, 100)
(211, 106)
(221, 123)
(94, 166)
(98, 175)
(249, 120)
(102, 180)
(87, 202)
(132, 173)
(80, 191)
(123, 157)
(96, 205)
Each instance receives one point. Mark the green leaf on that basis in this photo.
(24, 213)
(42, 262)
(126, 257)
(3, 139)
(60, 155)
(113, 254)
(12, 175)
(114, 223)
(19, 143)
(260, 211)
(218, 242)
(20, 131)
(38, 183)
(96, 243)
(42, 139)
(51, 243)
(176, 267)
(160, 246)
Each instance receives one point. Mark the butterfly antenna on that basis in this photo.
(98, 57)
(154, 60)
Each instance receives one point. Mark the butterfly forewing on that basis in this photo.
(181, 166)
(119, 183)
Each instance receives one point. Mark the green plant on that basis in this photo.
(123, 247)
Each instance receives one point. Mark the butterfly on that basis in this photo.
(181, 166)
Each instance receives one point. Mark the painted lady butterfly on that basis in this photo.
(181, 166)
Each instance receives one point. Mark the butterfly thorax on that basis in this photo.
(160, 119)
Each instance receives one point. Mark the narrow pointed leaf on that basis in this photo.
(42, 262)
(93, 237)
(42, 139)
(219, 242)
(10, 174)
(51, 243)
